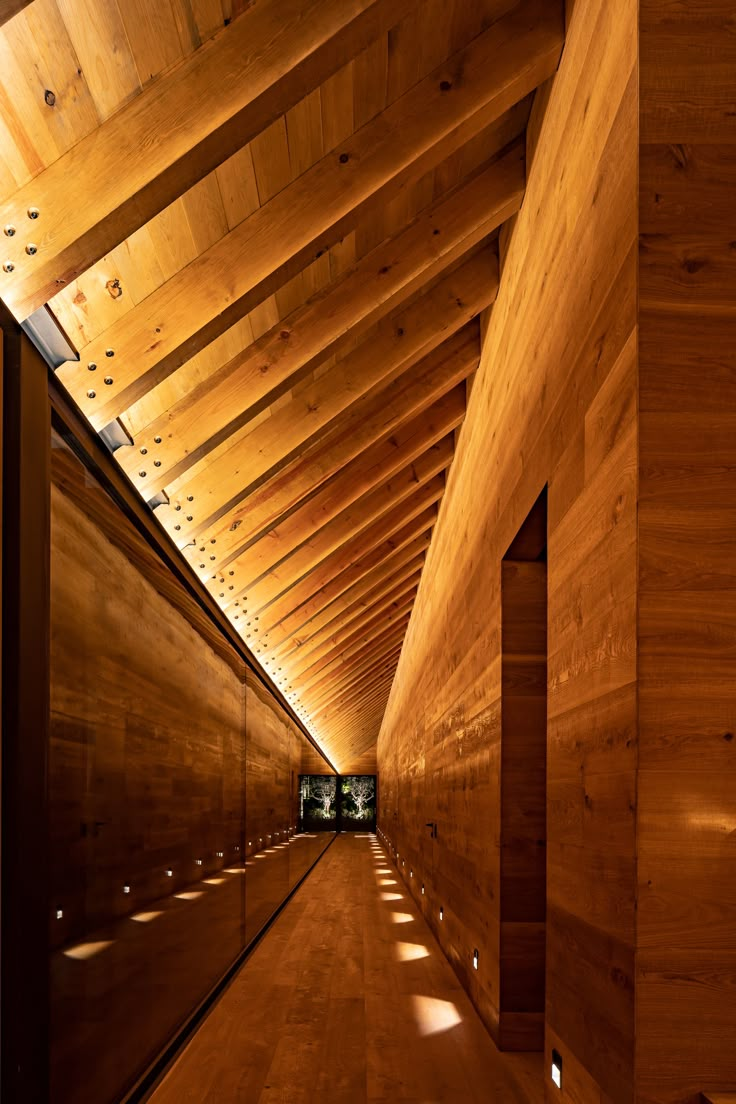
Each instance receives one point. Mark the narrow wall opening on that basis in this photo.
(524, 783)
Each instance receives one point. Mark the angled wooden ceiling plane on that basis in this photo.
(292, 376)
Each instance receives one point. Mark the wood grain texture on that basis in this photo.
(241, 270)
(553, 402)
(361, 1008)
(686, 960)
(189, 122)
(9, 8)
(165, 755)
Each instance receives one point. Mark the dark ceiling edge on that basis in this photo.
(71, 423)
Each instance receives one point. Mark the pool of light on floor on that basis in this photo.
(433, 1016)
(410, 952)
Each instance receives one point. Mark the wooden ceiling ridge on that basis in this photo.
(434, 118)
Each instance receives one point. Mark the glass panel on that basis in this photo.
(358, 803)
(160, 743)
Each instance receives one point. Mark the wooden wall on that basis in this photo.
(686, 961)
(554, 402)
(166, 754)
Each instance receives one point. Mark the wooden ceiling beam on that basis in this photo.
(180, 128)
(361, 718)
(437, 116)
(334, 659)
(377, 465)
(352, 666)
(342, 312)
(371, 420)
(374, 585)
(256, 454)
(368, 711)
(349, 555)
(326, 543)
(345, 691)
(349, 626)
(387, 651)
(411, 534)
(9, 8)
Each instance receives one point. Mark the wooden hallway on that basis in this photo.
(348, 999)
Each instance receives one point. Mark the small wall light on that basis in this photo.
(475, 959)
(557, 1068)
(422, 891)
(219, 854)
(59, 913)
(442, 913)
(411, 873)
(169, 873)
(198, 862)
(126, 889)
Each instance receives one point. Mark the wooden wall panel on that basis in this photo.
(553, 402)
(686, 960)
(165, 755)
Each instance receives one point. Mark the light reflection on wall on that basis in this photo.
(401, 917)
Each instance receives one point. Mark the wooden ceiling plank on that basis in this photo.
(388, 651)
(348, 687)
(356, 622)
(419, 130)
(353, 521)
(378, 464)
(346, 722)
(370, 588)
(188, 122)
(412, 532)
(344, 310)
(333, 659)
(255, 455)
(354, 666)
(9, 8)
(343, 730)
(370, 421)
(348, 555)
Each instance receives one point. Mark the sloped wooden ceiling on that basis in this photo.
(269, 229)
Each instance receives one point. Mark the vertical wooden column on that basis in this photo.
(25, 721)
(686, 837)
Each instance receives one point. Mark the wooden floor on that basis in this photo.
(348, 999)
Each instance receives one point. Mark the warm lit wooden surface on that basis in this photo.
(270, 294)
(686, 839)
(348, 998)
(553, 402)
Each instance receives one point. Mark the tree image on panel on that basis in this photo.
(358, 796)
(319, 796)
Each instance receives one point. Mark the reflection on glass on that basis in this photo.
(318, 802)
(357, 802)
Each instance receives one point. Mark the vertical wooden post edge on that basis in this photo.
(24, 842)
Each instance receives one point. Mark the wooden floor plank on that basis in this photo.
(341, 1002)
